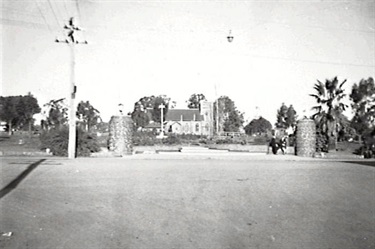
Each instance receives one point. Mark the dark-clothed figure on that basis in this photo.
(274, 145)
(283, 144)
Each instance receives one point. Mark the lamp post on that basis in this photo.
(230, 39)
(161, 106)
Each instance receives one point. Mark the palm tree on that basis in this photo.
(329, 109)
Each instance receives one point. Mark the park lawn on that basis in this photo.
(19, 142)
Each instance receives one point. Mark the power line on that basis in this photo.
(43, 16)
(79, 11)
(66, 9)
(79, 14)
(312, 61)
(6, 10)
(58, 12)
(22, 23)
(54, 13)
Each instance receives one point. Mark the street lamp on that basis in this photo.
(230, 37)
(161, 106)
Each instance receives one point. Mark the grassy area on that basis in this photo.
(19, 142)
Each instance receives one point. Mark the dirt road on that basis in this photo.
(186, 203)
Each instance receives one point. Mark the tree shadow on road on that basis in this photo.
(13, 184)
(365, 163)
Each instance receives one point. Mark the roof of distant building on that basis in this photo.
(187, 115)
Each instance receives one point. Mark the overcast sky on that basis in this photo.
(177, 48)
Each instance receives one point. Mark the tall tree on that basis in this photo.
(260, 125)
(281, 117)
(195, 100)
(8, 111)
(329, 98)
(229, 118)
(18, 111)
(147, 109)
(156, 112)
(30, 107)
(291, 117)
(57, 113)
(363, 105)
(87, 115)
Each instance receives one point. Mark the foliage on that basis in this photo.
(147, 109)
(102, 127)
(321, 142)
(57, 114)
(172, 139)
(156, 113)
(363, 105)
(57, 141)
(256, 126)
(291, 117)
(87, 115)
(368, 148)
(329, 110)
(18, 111)
(195, 99)
(281, 117)
(142, 138)
(229, 118)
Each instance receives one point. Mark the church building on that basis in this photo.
(191, 121)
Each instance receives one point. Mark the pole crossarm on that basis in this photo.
(72, 41)
(71, 27)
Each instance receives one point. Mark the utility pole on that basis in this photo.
(72, 41)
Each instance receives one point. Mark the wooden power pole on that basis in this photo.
(72, 41)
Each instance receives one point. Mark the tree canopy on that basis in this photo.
(229, 118)
(257, 126)
(329, 97)
(57, 113)
(363, 105)
(286, 117)
(18, 111)
(147, 109)
(87, 115)
(195, 99)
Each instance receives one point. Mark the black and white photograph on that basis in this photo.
(187, 124)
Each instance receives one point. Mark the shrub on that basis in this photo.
(57, 141)
(368, 148)
(321, 142)
(261, 140)
(172, 139)
(144, 138)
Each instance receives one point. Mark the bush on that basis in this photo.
(172, 139)
(367, 150)
(261, 140)
(143, 138)
(321, 142)
(57, 141)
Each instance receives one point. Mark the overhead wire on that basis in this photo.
(22, 23)
(54, 13)
(43, 16)
(66, 9)
(80, 17)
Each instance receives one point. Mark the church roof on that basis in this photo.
(187, 115)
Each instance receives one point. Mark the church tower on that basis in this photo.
(207, 111)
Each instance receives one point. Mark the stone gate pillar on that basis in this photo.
(120, 135)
